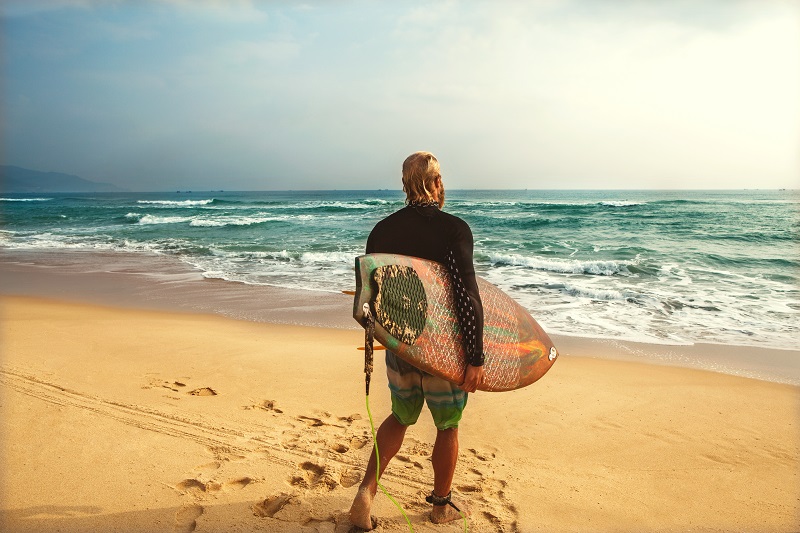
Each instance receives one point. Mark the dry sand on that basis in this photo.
(127, 420)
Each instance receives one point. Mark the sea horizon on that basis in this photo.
(9, 194)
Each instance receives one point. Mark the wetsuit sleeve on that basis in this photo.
(468, 299)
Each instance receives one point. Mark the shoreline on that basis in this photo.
(154, 420)
(121, 280)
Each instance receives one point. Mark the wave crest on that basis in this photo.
(597, 268)
(25, 199)
(175, 203)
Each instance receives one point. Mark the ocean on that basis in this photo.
(668, 267)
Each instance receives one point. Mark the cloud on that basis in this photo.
(506, 93)
(261, 52)
(224, 10)
(229, 11)
(634, 93)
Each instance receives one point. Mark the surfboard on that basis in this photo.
(415, 317)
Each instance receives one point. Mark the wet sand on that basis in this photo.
(160, 282)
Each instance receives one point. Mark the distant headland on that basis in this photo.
(23, 180)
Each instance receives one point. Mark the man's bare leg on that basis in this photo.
(445, 456)
(390, 438)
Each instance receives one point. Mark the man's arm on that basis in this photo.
(468, 298)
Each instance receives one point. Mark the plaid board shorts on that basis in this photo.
(410, 387)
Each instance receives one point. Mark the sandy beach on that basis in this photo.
(189, 190)
(119, 419)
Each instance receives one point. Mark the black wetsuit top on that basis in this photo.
(429, 233)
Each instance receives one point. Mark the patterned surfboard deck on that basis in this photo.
(416, 318)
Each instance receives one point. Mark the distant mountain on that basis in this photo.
(17, 179)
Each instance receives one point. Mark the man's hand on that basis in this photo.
(472, 378)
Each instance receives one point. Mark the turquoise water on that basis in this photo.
(673, 267)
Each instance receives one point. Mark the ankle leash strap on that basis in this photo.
(442, 500)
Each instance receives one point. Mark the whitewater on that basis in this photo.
(671, 267)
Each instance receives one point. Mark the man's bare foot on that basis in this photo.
(359, 511)
(442, 514)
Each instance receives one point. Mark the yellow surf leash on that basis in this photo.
(378, 469)
(369, 339)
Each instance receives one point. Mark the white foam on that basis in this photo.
(603, 268)
(593, 293)
(229, 221)
(328, 257)
(152, 219)
(25, 199)
(620, 203)
(363, 204)
(259, 256)
(462, 203)
(175, 203)
(341, 205)
(49, 240)
(208, 223)
(222, 221)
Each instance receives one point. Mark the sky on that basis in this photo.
(271, 95)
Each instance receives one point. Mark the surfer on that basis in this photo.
(421, 229)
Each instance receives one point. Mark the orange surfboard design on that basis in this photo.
(517, 350)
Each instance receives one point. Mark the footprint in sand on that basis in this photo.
(312, 422)
(198, 489)
(191, 486)
(409, 462)
(313, 475)
(270, 506)
(349, 478)
(203, 391)
(153, 382)
(264, 405)
(186, 518)
(482, 454)
(340, 447)
(419, 448)
(294, 442)
(223, 454)
(357, 443)
(213, 465)
(238, 483)
(469, 488)
(312, 472)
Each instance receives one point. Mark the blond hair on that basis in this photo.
(420, 172)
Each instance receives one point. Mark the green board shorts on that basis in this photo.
(411, 386)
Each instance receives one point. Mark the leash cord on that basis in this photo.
(378, 469)
(386, 492)
(369, 336)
